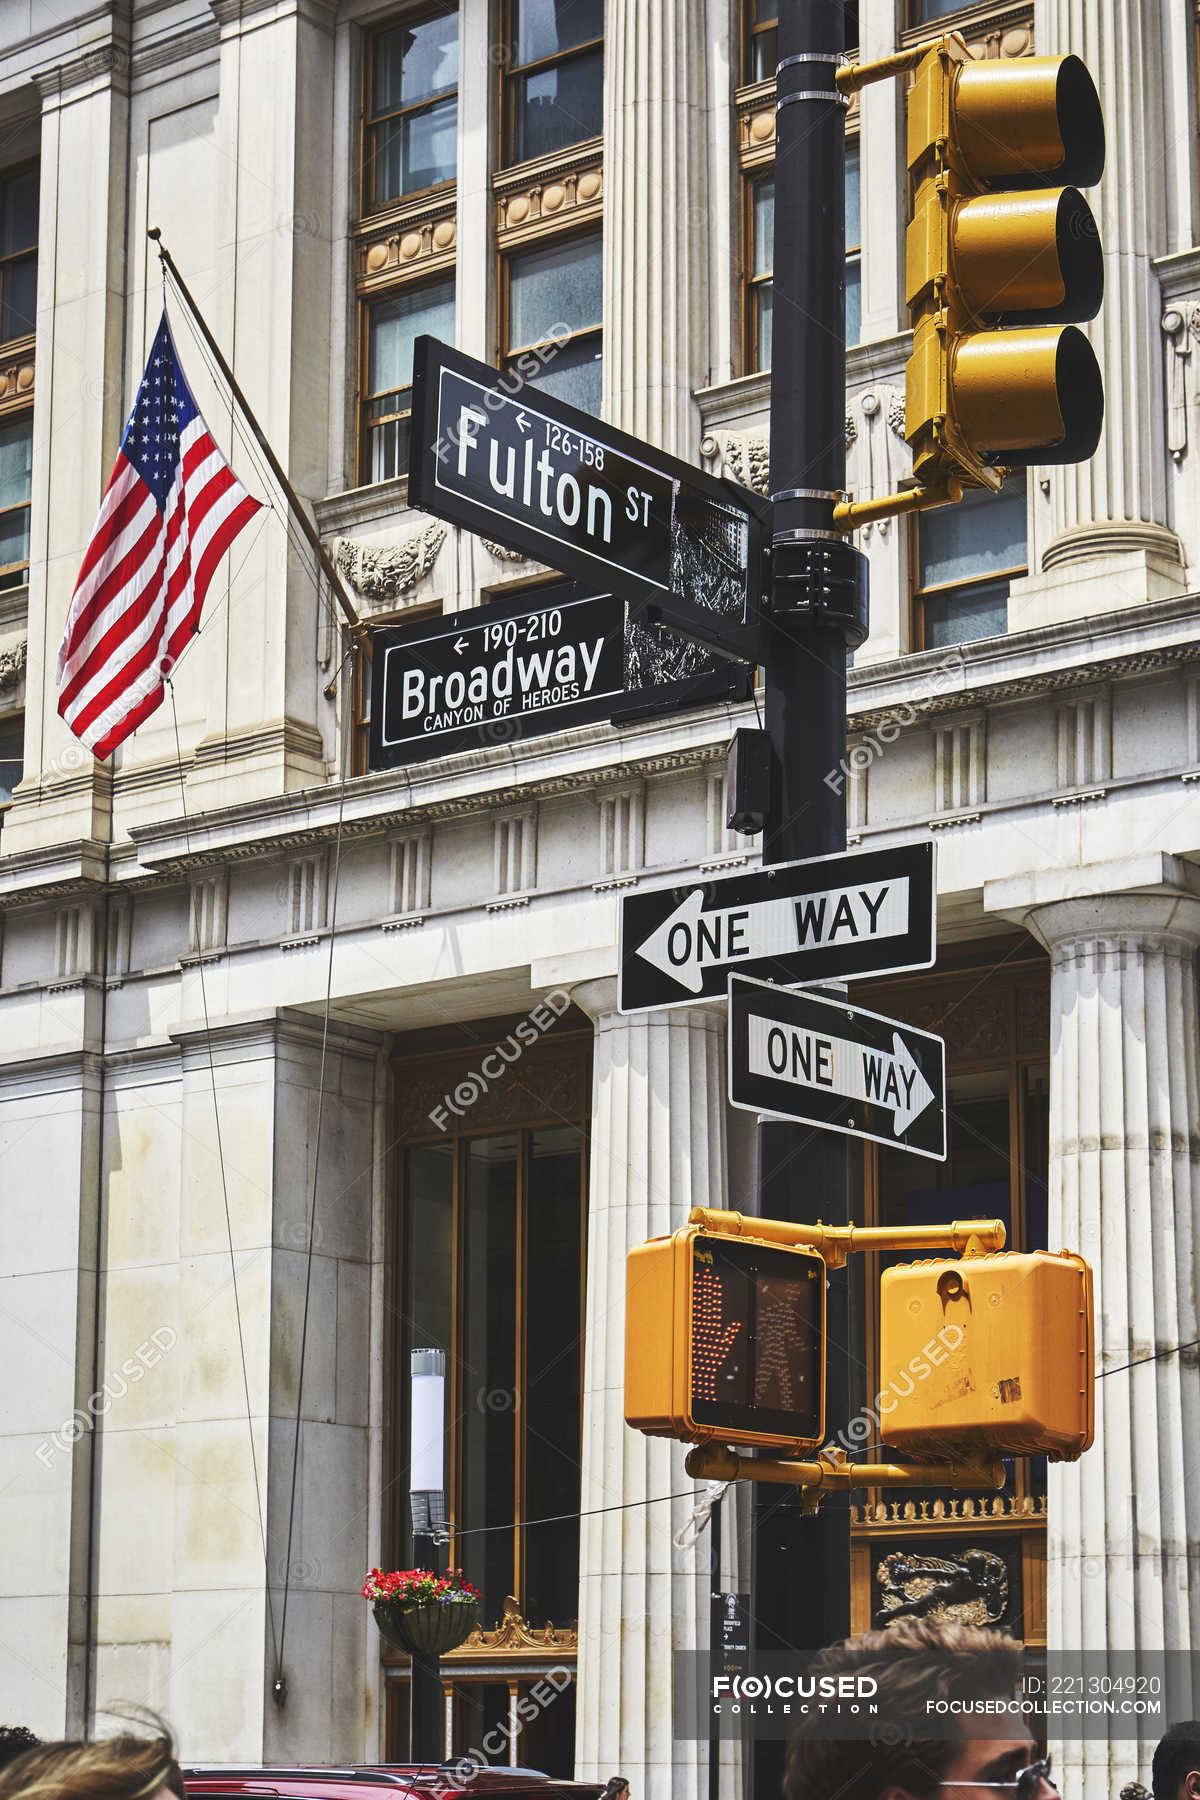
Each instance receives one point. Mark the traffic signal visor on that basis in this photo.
(1003, 262)
(990, 1353)
(725, 1340)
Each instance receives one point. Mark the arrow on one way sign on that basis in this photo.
(804, 1057)
(858, 913)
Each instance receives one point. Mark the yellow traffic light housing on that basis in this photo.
(725, 1340)
(1003, 261)
(1017, 1375)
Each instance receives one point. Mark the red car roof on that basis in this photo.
(342, 1782)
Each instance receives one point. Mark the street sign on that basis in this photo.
(494, 453)
(829, 918)
(526, 665)
(821, 1062)
(494, 673)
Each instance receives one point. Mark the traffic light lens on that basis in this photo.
(1030, 122)
(757, 1314)
(1028, 258)
(1032, 396)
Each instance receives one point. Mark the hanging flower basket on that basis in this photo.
(421, 1612)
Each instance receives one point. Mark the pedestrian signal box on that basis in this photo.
(990, 1353)
(725, 1340)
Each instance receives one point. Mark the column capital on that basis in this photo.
(1147, 896)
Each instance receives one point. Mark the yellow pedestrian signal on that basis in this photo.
(1017, 1374)
(1003, 262)
(725, 1340)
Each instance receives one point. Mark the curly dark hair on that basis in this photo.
(914, 1661)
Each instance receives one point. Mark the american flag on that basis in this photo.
(170, 511)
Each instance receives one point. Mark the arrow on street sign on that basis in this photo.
(825, 919)
(818, 1061)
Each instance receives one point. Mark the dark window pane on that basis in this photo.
(18, 298)
(853, 184)
(19, 212)
(982, 533)
(481, 1712)
(12, 752)
(16, 463)
(853, 299)
(488, 1398)
(574, 374)
(939, 9)
(960, 614)
(764, 226)
(428, 1268)
(554, 288)
(764, 300)
(764, 55)
(415, 151)
(551, 1402)
(558, 106)
(415, 62)
(545, 27)
(395, 325)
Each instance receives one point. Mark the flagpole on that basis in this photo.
(357, 628)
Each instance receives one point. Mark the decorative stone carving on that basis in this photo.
(501, 552)
(742, 457)
(1179, 325)
(968, 1589)
(12, 665)
(385, 571)
(878, 458)
(575, 192)
(404, 244)
(16, 378)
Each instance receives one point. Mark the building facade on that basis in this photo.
(267, 1121)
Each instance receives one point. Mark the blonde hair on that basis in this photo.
(116, 1768)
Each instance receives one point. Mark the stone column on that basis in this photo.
(1108, 517)
(1125, 1190)
(658, 1149)
(656, 269)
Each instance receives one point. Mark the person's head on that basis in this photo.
(617, 1788)
(916, 1663)
(1175, 1771)
(15, 1740)
(116, 1768)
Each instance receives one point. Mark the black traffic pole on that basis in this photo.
(800, 1567)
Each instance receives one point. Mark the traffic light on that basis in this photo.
(1003, 262)
(990, 1353)
(725, 1339)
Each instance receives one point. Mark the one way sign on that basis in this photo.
(826, 919)
(824, 1063)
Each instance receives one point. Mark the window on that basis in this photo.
(411, 111)
(18, 254)
(16, 478)
(554, 76)
(923, 11)
(967, 556)
(12, 754)
(553, 297)
(393, 325)
(760, 38)
(760, 262)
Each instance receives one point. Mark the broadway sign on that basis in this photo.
(865, 912)
(496, 455)
(821, 1062)
(493, 674)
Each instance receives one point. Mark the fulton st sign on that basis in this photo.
(500, 457)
